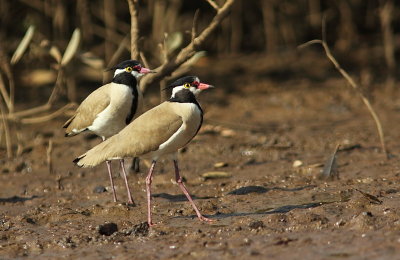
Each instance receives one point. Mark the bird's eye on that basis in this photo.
(187, 85)
(128, 69)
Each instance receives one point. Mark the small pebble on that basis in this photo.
(108, 229)
(297, 163)
(228, 133)
(99, 189)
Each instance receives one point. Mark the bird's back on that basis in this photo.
(140, 137)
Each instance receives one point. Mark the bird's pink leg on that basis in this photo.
(185, 191)
(111, 180)
(149, 179)
(130, 200)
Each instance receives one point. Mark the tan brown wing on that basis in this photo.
(142, 136)
(86, 113)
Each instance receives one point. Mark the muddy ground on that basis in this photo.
(265, 114)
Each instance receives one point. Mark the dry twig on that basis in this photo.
(143, 58)
(6, 128)
(49, 160)
(48, 117)
(351, 83)
(213, 4)
(386, 18)
(133, 10)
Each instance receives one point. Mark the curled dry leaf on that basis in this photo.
(92, 60)
(173, 41)
(72, 47)
(38, 77)
(23, 45)
(55, 53)
(220, 164)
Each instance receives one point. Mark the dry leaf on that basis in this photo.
(92, 60)
(215, 175)
(174, 41)
(220, 164)
(55, 53)
(330, 168)
(72, 47)
(23, 45)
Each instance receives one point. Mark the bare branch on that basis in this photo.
(133, 10)
(304, 45)
(49, 152)
(117, 54)
(353, 85)
(48, 117)
(4, 93)
(213, 4)
(164, 52)
(29, 111)
(6, 128)
(194, 26)
(143, 58)
(57, 87)
(6, 68)
(389, 46)
(186, 53)
(110, 25)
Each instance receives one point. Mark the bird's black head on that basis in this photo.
(132, 67)
(188, 86)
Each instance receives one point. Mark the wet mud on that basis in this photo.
(255, 169)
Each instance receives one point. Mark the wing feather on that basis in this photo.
(143, 135)
(86, 113)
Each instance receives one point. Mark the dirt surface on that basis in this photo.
(270, 125)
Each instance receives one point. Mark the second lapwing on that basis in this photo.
(110, 108)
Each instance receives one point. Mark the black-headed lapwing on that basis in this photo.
(159, 131)
(108, 109)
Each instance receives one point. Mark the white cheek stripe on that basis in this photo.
(134, 73)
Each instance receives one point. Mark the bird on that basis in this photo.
(160, 131)
(111, 107)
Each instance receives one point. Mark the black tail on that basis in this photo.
(76, 160)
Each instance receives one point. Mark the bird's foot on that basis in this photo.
(151, 224)
(202, 218)
(131, 203)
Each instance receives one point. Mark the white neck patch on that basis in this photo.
(175, 90)
(194, 90)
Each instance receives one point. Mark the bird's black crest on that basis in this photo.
(124, 64)
(181, 81)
